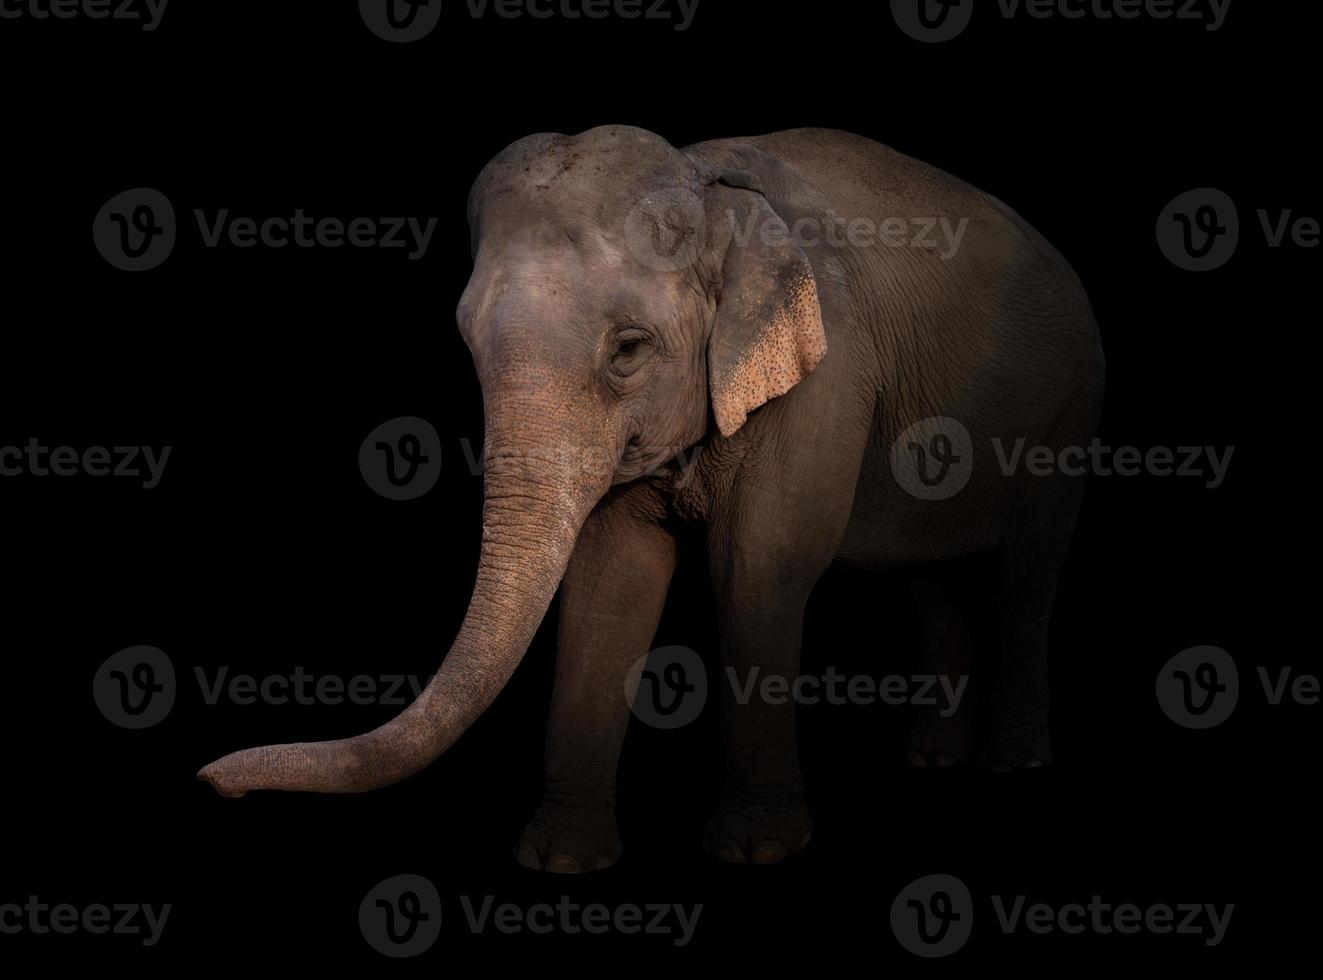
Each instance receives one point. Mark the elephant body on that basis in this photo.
(999, 337)
(649, 366)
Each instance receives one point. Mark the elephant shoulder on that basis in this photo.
(854, 174)
(867, 178)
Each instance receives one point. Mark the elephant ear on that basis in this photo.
(768, 335)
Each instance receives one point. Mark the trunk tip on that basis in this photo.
(213, 777)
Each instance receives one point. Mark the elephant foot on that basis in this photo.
(934, 742)
(566, 841)
(1018, 744)
(745, 833)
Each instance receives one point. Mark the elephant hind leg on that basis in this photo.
(1030, 563)
(953, 613)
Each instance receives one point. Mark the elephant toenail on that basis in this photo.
(731, 852)
(528, 857)
(769, 852)
(563, 864)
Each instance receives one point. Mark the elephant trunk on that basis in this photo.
(534, 507)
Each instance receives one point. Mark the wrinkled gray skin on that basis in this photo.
(616, 319)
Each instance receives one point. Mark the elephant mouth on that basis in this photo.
(664, 465)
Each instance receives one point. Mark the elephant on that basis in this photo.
(708, 341)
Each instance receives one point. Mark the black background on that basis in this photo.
(263, 549)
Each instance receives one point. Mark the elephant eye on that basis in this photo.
(632, 349)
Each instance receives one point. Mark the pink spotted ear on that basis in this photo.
(768, 335)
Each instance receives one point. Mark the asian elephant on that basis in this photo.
(787, 342)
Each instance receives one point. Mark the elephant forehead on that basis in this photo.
(540, 272)
(587, 189)
(531, 300)
(574, 270)
(588, 231)
(603, 162)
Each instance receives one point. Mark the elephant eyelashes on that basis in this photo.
(632, 351)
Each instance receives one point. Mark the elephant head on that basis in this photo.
(617, 310)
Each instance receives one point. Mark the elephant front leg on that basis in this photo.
(773, 534)
(611, 600)
(761, 817)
